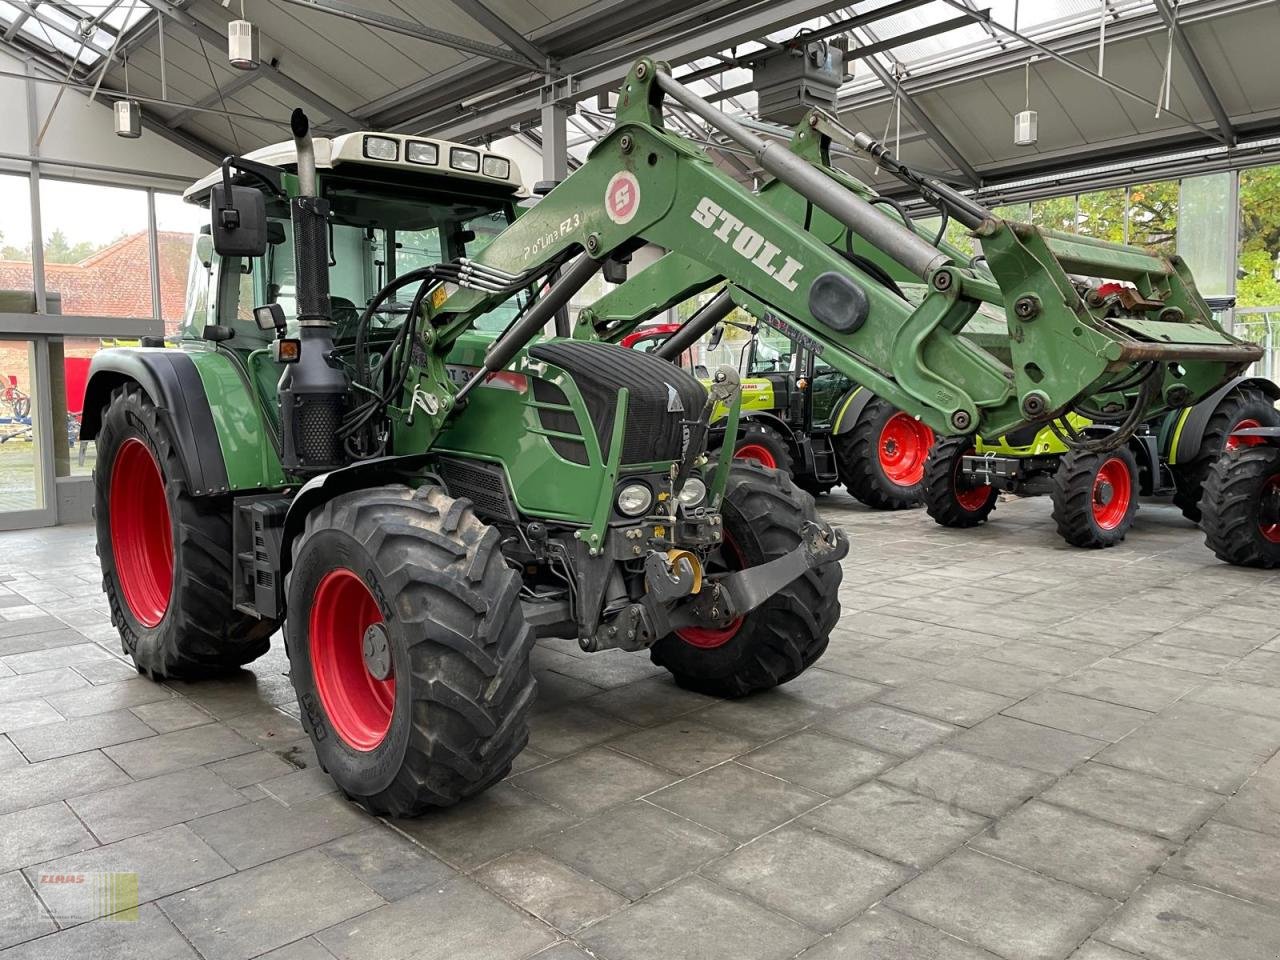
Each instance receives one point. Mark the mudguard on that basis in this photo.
(1189, 427)
(207, 406)
(849, 409)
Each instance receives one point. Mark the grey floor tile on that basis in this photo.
(1178, 921)
(683, 746)
(40, 833)
(830, 691)
(1027, 744)
(1237, 695)
(502, 819)
(457, 921)
(107, 670)
(887, 729)
(1256, 806)
(150, 937)
(1070, 846)
(1134, 799)
(22, 916)
(1180, 658)
(387, 863)
(250, 768)
(166, 716)
(165, 861)
(549, 890)
(1006, 679)
(309, 948)
(1219, 727)
(133, 808)
(1131, 684)
(1231, 860)
(1226, 644)
(820, 762)
(735, 800)
(636, 848)
(1261, 666)
(594, 780)
(874, 665)
(1082, 715)
(257, 832)
(808, 876)
(19, 639)
(648, 702)
(29, 686)
(106, 697)
(946, 701)
(968, 780)
(214, 919)
(37, 783)
(36, 660)
(178, 750)
(760, 717)
(299, 786)
(570, 728)
(896, 823)
(1003, 908)
(884, 934)
(693, 920)
(76, 736)
(610, 668)
(1219, 769)
(21, 714)
(240, 693)
(266, 726)
(1093, 950)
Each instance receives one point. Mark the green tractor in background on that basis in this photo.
(381, 432)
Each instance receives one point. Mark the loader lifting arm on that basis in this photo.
(644, 184)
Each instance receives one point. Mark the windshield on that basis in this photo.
(373, 238)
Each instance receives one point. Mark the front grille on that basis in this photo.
(484, 484)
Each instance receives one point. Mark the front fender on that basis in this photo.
(849, 409)
(1188, 427)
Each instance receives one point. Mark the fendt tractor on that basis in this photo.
(369, 436)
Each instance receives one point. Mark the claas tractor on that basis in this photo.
(381, 431)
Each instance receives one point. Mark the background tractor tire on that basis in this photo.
(945, 499)
(1241, 508)
(1242, 407)
(166, 555)
(1095, 496)
(781, 638)
(408, 648)
(764, 445)
(882, 459)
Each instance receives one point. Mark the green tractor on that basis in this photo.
(381, 432)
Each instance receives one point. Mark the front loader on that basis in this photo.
(384, 436)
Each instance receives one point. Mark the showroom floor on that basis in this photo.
(1011, 749)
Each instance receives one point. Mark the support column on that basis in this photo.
(555, 140)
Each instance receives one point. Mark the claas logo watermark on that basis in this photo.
(77, 897)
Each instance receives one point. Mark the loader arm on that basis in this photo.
(644, 184)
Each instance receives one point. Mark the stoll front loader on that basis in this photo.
(416, 501)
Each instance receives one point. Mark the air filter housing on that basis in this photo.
(1026, 125)
(800, 76)
(242, 45)
(128, 119)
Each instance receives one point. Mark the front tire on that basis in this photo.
(1242, 407)
(758, 443)
(1095, 496)
(763, 512)
(408, 648)
(882, 459)
(1241, 508)
(950, 500)
(166, 555)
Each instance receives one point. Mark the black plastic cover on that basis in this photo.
(837, 302)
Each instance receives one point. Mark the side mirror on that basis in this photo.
(270, 317)
(275, 233)
(716, 336)
(239, 220)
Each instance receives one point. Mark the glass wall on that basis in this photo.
(15, 233)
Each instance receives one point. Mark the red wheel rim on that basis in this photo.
(708, 638)
(754, 451)
(904, 444)
(1112, 493)
(358, 704)
(141, 533)
(1235, 443)
(971, 498)
(1269, 509)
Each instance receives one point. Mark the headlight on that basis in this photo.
(415, 151)
(381, 148)
(467, 160)
(634, 499)
(693, 492)
(497, 167)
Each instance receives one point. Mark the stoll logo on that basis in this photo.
(748, 243)
(76, 897)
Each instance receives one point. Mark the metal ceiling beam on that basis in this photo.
(924, 33)
(761, 18)
(411, 28)
(923, 120)
(478, 11)
(246, 79)
(305, 94)
(1196, 68)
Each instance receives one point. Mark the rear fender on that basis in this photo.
(1188, 429)
(849, 409)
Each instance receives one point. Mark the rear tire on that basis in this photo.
(439, 709)
(1241, 508)
(950, 503)
(1244, 405)
(1095, 496)
(758, 443)
(776, 642)
(166, 555)
(882, 459)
